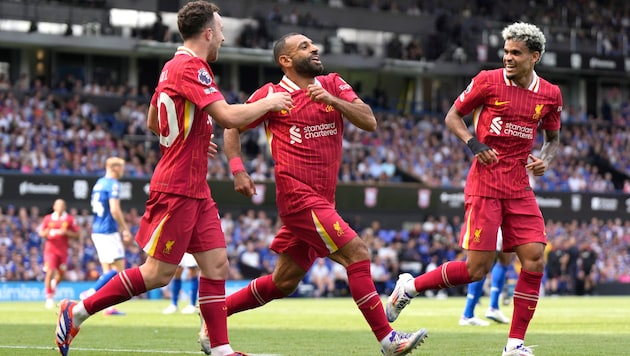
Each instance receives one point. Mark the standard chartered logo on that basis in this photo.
(519, 131)
(314, 131)
(294, 134)
(497, 127)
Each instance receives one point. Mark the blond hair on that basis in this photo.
(114, 161)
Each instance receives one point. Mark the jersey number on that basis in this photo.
(171, 119)
(97, 205)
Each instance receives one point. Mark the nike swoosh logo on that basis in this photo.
(374, 306)
(531, 308)
(499, 103)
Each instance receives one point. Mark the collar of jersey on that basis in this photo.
(290, 86)
(185, 50)
(535, 84)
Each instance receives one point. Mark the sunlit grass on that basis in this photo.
(562, 326)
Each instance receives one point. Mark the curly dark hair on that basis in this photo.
(194, 17)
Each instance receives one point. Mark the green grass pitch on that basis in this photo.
(562, 326)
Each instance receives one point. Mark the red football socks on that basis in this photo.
(214, 310)
(364, 294)
(120, 288)
(525, 300)
(449, 274)
(259, 292)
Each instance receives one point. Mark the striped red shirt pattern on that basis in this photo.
(186, 86)
(305, 143)
(506, 118)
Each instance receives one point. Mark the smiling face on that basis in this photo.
(519, 61)
(302, 55)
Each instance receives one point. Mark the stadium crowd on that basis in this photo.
(59, 131)
(596, 250)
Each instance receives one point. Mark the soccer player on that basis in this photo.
(57, 227)
(180, 214)
(108, 225)
(306, 145)
(189, 264)
(510, 104)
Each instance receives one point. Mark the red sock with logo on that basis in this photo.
(364, 294)
(214, 310)
(259, 292)
(449, 274)
(120, 288)
(526, 295)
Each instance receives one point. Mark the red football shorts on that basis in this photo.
(312, 233)
(55, 260)
(174, 224)
(520, 219)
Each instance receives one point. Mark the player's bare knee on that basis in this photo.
(354, 251)
(476, 273)
(534, 264)
(476, 276)
(287, 286)
(156, 281)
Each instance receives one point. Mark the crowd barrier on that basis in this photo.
(31, 291)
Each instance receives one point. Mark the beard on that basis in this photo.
(308, 68)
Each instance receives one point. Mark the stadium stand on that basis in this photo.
(411, 248)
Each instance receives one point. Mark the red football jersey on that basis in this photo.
(186, 86)
(506, 118)
(56, 242)
(305, 143)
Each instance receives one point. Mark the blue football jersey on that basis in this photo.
(104, 189)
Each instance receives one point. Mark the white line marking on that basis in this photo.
(158, 352)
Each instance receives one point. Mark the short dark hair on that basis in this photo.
(194, 17)
(279, 46)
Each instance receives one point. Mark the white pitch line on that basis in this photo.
(24, 347)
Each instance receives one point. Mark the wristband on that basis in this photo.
(476, 146)
(236, 165)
